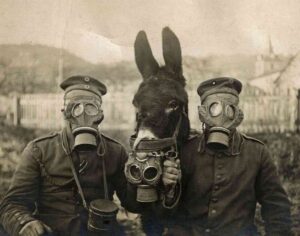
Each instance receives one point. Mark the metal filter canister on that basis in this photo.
(102, 215)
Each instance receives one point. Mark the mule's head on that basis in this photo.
(161, 101)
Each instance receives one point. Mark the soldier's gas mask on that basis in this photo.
(83, 112)
(220, 114)
(144, 166)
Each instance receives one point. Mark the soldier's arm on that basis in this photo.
(275, 205)
(18, 204)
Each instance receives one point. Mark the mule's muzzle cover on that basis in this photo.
(144, 165)
(152, 144)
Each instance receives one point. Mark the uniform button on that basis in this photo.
(214, 199)
(207, 230)
(87, 79)
(216, 187)
(213, 211)
(220, 166)
(219, 177)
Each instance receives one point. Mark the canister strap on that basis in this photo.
(101, 155)
(67, 150)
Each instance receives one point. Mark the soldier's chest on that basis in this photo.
(89, 167)
(212, 172)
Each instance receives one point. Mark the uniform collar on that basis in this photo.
(235, 144)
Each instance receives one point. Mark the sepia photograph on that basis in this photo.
(148, 117)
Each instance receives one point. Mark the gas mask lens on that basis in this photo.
(77, 110)
(135, 172)
(230, 111)
(91, 109)
(150, 173)
(215, 109)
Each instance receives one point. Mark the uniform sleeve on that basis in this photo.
(18, 204)
(275, 205)
(125, 191)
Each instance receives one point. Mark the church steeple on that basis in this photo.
(271, 49)
(266, 63)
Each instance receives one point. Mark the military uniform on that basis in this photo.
(221, 189)
(43, 186)
(226, 173)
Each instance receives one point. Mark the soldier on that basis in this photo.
(226, 173)
(60, 174)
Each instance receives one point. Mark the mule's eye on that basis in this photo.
(173, 105)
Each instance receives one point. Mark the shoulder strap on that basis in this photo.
(66, 147)
(253, 139)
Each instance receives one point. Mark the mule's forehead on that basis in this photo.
(161, 91)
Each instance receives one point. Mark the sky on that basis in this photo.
(105, 30)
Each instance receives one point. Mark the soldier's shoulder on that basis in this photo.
(252, 139)
(111, 140)
(194, 137)
(46, 137)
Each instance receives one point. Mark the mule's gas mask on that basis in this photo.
(144, 166)
(83, 112)
(220, 114)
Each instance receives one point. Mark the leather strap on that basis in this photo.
(68, 152)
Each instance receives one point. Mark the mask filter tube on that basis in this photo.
(85, 138)
(218, 138)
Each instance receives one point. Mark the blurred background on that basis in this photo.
(44, 42)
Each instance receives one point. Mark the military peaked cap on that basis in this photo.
(219, 85)
(87, 83)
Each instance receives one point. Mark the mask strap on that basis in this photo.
(67, 150)
(177, 127)
(101, 155)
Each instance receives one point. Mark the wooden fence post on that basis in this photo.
(16, 110)
(297, 121)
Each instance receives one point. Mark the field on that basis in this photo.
(284, 147)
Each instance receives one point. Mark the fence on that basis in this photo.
(264, 113)
(44, 111)
(268, 113)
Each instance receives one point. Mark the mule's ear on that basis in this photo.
(144, 58)
(172, 51)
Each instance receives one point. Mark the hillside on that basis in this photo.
(35, 68)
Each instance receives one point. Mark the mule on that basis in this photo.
(161, 103)
(161, 100)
